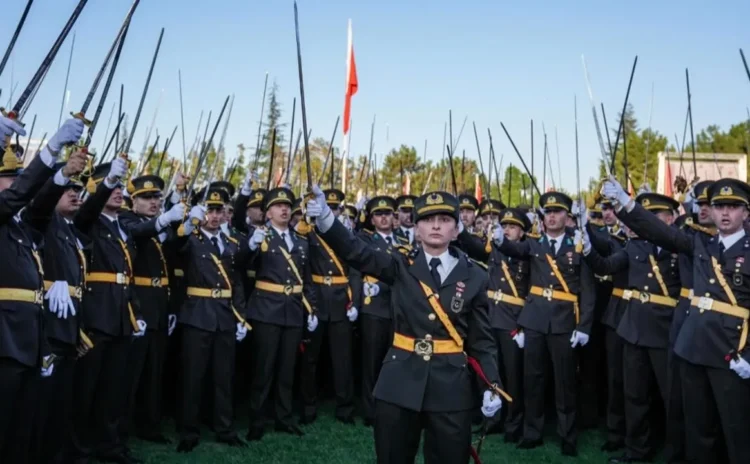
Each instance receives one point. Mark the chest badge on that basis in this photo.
(737, 279)
(457, 303)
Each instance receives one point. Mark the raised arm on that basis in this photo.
(651, 228)
(612, 264)
(23, 189)
(41, 209)
(600, 240)
(473, 246)
(513, 249)
(92, 208)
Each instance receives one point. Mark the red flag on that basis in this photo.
(668, 179)
(477, 188)
(406, 188)
(351, 81)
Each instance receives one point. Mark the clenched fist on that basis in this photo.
(76, 163)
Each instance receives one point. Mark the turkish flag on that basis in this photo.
(477, 188)
(352, 84)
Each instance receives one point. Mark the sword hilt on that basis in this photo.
(82, 117)
(10, 115)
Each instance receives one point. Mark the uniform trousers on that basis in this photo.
(447, 435)
(510, 362)
(19, 388)
(145, 371)
(539, 349)
(615, 392)
(377, 337)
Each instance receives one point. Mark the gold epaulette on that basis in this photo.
(533, 235)
(706, 230)
(232, 239)
(597, 222)
(303, 228)
(617, 236)
(479, 263)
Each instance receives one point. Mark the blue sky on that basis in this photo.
(493, 61)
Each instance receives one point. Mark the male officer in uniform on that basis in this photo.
(336, 313)
(508, 288)
(405, 227)
(490, 210)
(111, 317)
(469, 207)
(22, 343)
(652, 291)
(282, 303)
(425, 382)
(375, 300)
(556, 318)
(149, 231)
(51, 213)
(212, 318)
(713, 337)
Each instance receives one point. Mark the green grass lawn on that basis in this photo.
(329, 442)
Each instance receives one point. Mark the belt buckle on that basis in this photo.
(423, 347)
(156, 282)
(547, 293)
(215, 293)
(38, 297)
(644, 297)
(78, 292)
(288, 289)
(691, 293)
(705, 303)
(120, 278)
(327, 280)
(627, 294)
(498, 296)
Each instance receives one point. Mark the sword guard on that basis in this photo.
(10, 115)
(82, 117)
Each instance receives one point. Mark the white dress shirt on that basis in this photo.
(409, 233)
(447, 263)
(730, 240)
(287, 237)
(209, 235)
(558, 241)
(386, 237)
(123, 235)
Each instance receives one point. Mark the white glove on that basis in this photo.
(247, 184)
(584, 216)
(370, 289)
(60, 302)
(361, 203)
(491, 404)
(312, 323)
(175, 214)
(578, 338)
(47, 371)
(171, 324)
(586, 243)
(741, 367)
(141, 328)
(352, 314)
(520, 339)
(176, 197)
(498, 235)
(241, 332)
(343, 219)
(257, 238)
(644, 189)
(118, 168)
(69, 132)
(198, 212)
(612, 190)
(314, 209)
(9, 127)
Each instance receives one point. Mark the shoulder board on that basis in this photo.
(367, 231)
(232, 239)
(617, 236)
(300, 236)
(706, 230)
(479, 263)
(534, 236)
(596, 222)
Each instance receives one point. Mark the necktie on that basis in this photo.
(721, 252)
(408, 236)
(552, 244)
(389, 240)
(434, 263)
(215, 242)
(283, 237)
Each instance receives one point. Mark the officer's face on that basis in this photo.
(491, 218)
(69, 203)
(404, 217)
(214, 215)
(279, 214)
(382, 221)
(513, 232)
(555, 220)
(479, 223)
(704, 214)
(255, 214)
(115, 199)
(729, 218)
(394, 220)
(147, 205)
(438, 230)
(295, 220)
(667, 217)
(467, 217)
(608, 216)
(228, 213)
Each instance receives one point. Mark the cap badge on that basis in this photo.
(726, 191)
(434, 199)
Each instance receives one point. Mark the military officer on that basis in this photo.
(51, 213)
(424, 382)
(652, 292)
(405, 226)
(490, 210)
(111, 315)
(23, 349)
(282, 303)
(150, 231)
(296, 213)
(556, 318)
(713, 336)
(336, 313)
(469, 206)
(508, 289)
(212, 318)
(375, 301)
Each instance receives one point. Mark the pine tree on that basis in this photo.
(273, 122)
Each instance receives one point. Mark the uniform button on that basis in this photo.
(502, 279)
(428, 337)
(646, 287)
(739, 327)
(330, 260)
(650, 274)
(330, 272)
(712, 281)
(393, 357)
(551, 273)
(289, 269)
(426, 357)
(708, 294)
(431, 317)
(287, 280)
